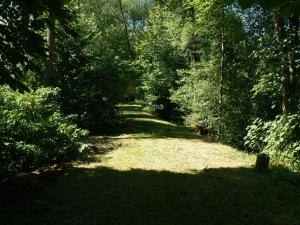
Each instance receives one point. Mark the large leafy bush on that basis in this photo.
(279, 138)
(160, 55)
(92, 81)
(33, 131)
(197, 98)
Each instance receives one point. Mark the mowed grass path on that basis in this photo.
(148, 143)
(152, 172)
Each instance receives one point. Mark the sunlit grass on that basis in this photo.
(172, 154)
(149, 143)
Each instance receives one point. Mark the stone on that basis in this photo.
(262, 162)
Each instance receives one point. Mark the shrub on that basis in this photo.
(256, 135)
(279, 138)
(283, 138)
(92, 97)
(33, 131)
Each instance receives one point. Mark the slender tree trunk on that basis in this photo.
(281, 35)
(289, 70)
(126, 28)
(50, 44)
(222, 73)
(292, 57)
(193, 50)
(194, 56)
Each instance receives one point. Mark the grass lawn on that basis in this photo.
(155, 172)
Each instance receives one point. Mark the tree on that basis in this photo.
(160, 55)
(56, 11)
(286, 24)
(124, 20)
(20, 40)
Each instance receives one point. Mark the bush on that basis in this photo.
(90, 86)
(279, 138)
(197, 98)
(256, 135)
(92, 98)
(33, 131)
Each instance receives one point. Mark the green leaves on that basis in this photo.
(279, 138)
(20, 40)
(161, 55)
(33, 131)
(285, 8)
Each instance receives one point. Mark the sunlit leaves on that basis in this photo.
(19, 40)
(286, 8)
(33, 130)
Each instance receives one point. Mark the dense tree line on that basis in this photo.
(66, 63)
(230, 69)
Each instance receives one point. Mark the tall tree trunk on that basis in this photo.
(289, 70)
(193, 47)
(50, 44)
(126, 28)
(281, 35)
(292, 57)
(222, 73)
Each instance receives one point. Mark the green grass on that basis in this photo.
(149, 143)
(152, 172)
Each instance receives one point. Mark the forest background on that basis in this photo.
(229, 69)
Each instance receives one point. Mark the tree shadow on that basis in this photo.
(138, 116)
(154, 129)
(142, 125)
(97, 145)
(130, 107)
(223, 196)
(145, 125)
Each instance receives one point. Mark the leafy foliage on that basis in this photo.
(279, 138)
(93, 78)
(219, 66)
(285, 7)
(197, 97)
(283, 138)
(20, 41)
(160, 57)
(33, 131)
(236, 68)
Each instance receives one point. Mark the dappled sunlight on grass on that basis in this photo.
(149, 143)
(174, 155)
(154, 120)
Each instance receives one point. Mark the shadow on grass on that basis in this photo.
(106, 196)
(154, 129)
(130, 107)
(138, 116)
(139, 123)
(98, 145)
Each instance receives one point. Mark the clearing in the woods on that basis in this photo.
(148, 143)
(153, 172)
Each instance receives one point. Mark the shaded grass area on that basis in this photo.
(106, 196)
(150, 172)
(142, 124)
